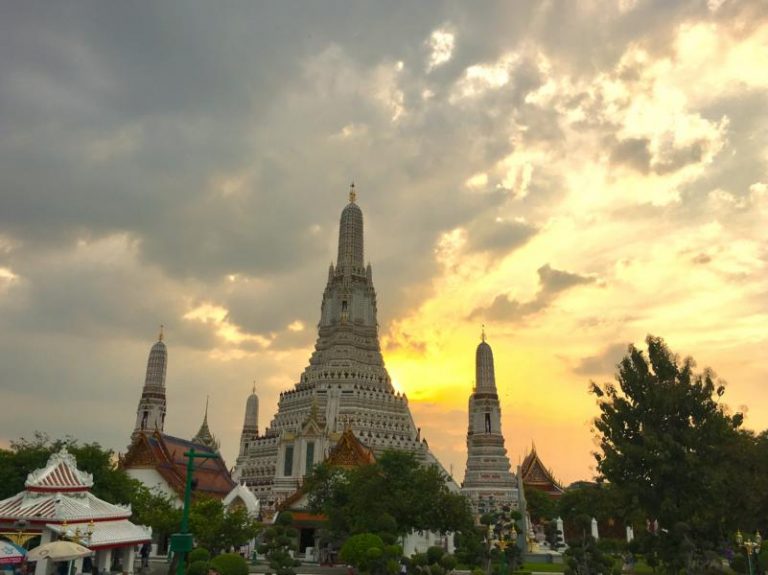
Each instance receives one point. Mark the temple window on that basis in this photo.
(487, 422)
(144, 420)
(310, 460)
(288, 463)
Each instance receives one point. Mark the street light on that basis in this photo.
(750, 546)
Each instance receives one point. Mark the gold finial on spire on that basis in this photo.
(482, 333)
(254, 387)
(205, 417)
(352, 193)
(160, 337)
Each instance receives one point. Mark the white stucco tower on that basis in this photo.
(251, 423)
(488, 481)
(345, 385)
(150, 414)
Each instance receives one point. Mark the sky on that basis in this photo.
(574, 175)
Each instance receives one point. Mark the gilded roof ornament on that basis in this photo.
(352, 193)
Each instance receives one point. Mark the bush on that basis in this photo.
(448, 562)
(434, 554)
(199, 554)
(197, 568)
(230, 564)
(478, 571)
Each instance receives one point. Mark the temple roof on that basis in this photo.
(59, 492)
(349, 452)
(165, 454)
(106, 534)
(535, 474)
(59, 474)
(241, 495)
(204, 435)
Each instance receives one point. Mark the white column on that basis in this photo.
(630, 533)
(560, 532)
(129, 554)
(595, 534)
(78, 565)
(43, 567)
(103, 560)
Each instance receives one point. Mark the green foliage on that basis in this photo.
(356, 550)
(540, 505)
(199, 554)
(370, 554)
(393, 496)
(478, 571)
(157, 510)
(230, 564)
(109, 482)
(673, 453)
(198, 567)
(217, 529)
(277, 543)
(584, 558)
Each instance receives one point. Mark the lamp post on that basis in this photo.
(750, 546)
(181, 542)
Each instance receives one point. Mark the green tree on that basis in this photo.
(217, 529)
(410, 496)
(157, 510)
(671, 450)
(540, 506)
(277, 543)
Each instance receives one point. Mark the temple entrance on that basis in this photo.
(306, 538)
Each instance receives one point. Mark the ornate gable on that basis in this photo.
(535, 474)
(59, 474)
(350, 452)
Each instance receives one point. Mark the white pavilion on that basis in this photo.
(57, 504)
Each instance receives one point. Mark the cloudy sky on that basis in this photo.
(572, 174)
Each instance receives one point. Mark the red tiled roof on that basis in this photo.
(60, 474)
(165, 453)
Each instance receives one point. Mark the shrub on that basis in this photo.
(448, 562)
(434, 554)
(197, 568)
(230, 564)
(478, 571)
(199, 554)
(355, 549)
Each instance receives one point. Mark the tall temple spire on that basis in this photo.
(204, 435)
(485, 378)
(150, 414)
(488, 481)
(251, 422)
(350, 258)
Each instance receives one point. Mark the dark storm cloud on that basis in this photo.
(603, 363)
(551, 283)
(148, 152)
(499, 236)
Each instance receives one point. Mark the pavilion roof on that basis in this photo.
(59, 492)
(108, 533)
(60, 474)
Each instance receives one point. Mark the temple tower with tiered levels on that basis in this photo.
(345, 385)
(150, 415)
(488, 482)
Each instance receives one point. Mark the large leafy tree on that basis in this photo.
(217, 529)
(109, 481)
(393, 496)
(669, 447)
